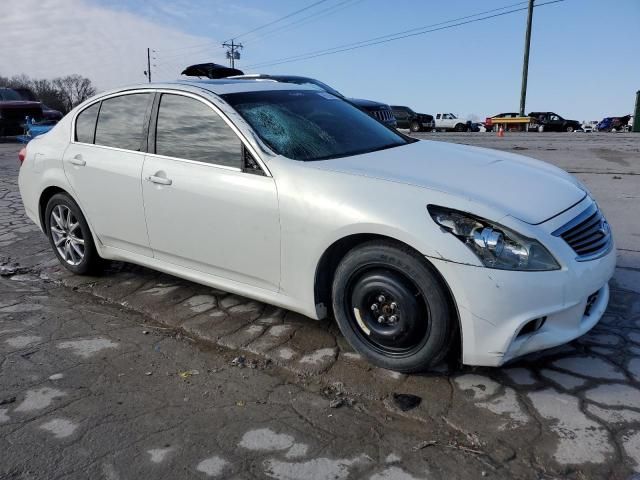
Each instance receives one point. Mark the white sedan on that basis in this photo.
(292, 196)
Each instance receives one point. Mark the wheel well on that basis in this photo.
(42, 204)
(335, 253)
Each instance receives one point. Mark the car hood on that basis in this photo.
(361, 102)
(527, 189)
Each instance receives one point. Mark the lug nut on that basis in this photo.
(381, 298)
(393, 306)
(393, 319)
(380, 319)
(374, 307)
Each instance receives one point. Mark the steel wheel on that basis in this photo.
(388, 311)
(67, 235)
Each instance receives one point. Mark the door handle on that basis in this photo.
(159, 180)
(78, 160)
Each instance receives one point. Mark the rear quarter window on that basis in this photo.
(86, 124)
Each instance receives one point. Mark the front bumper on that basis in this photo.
(496, 306)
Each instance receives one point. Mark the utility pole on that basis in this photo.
(233, 52)
(525, 63)
(147, 72)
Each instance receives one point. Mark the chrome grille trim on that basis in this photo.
(589, 234)
(382, 115)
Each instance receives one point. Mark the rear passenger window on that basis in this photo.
(121, 121)
(189, 129)
(86, 124)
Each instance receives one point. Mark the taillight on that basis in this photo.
(22, 154)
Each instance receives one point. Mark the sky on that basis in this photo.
(584, 63)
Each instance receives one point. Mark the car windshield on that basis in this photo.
(308, 125)
(8, 94)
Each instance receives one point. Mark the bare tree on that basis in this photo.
(48, 94)
(73, 89)
(61, 93)
(20, 81)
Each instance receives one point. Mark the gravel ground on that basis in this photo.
(84, 391)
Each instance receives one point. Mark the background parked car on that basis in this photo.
(590, 126)
(552, 122)
(416, 122)
(379, 111)
(478, 127)
(14, 110)
(449, 121)
(47, 112)
(614, 124)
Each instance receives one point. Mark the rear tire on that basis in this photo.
(414, 127)
(460, 127)
(70, 236)
(392, 307)
(569, 129)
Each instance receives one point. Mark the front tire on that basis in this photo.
(569, 129)
(70, 236)
(415, 127)
(392, 307)
(460, 127)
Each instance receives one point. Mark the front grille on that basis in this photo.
(382, 115)
(589, 234)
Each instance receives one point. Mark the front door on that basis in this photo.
(104, 167)
(203, 211)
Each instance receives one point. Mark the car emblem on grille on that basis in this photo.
(604, 229)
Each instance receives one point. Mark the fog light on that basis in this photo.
(532, 326)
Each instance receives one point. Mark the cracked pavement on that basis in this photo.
(132, 374)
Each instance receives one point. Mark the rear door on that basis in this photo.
(203, 210)
(104, 166)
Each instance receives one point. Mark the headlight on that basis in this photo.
(496, 246)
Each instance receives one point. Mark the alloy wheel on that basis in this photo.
(66, 234)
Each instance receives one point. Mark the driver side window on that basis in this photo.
(189, 129)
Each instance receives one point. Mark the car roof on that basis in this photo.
(227, 85)
(218, 87)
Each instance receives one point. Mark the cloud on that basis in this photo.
(49, 38)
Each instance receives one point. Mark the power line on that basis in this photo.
(304, 20)
(202, 46)
(198, 46)
(280, 19)
(397, 36)
(415, 29)
(207, 45)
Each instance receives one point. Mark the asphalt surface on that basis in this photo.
(132, 374)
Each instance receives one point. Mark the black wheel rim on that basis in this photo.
(387, 311)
